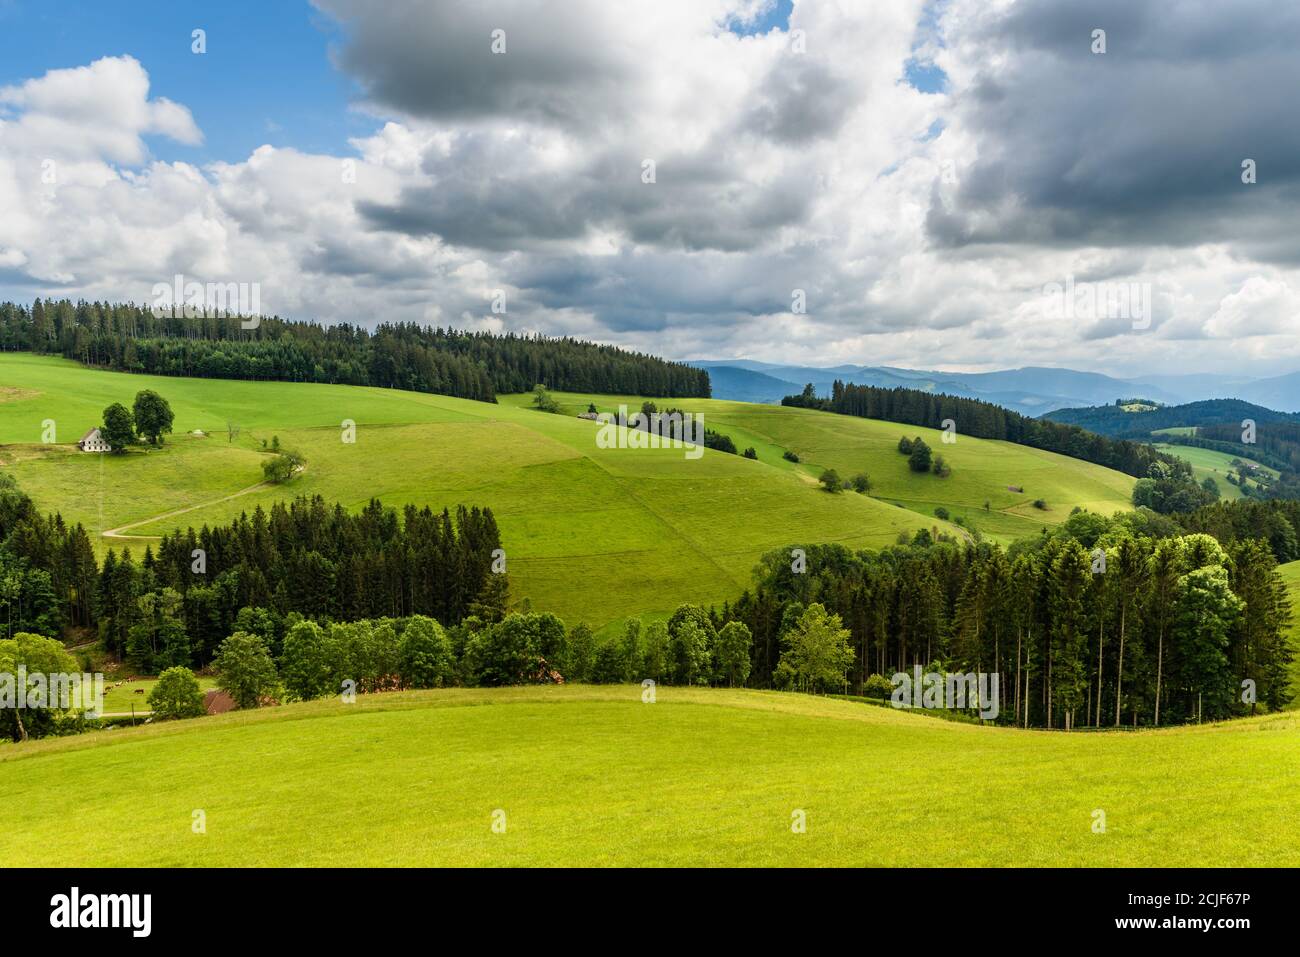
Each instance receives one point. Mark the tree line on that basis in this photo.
(1105, 622)
(307, 659)
(984, 420)
(176, 604)
(472, 365)
(1272, 522)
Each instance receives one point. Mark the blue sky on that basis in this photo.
(266, 76)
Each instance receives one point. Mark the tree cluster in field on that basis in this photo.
(921, 459)
(1165, 491)
(305, 557)
(832, 482)
(471, 365)
(283, 465)
(984, 420)
(150, 417)
(1102, 622)
(653, 419)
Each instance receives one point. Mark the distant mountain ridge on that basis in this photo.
(1115, 421)
(1033, 390)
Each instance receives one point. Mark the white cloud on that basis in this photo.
(776, 171)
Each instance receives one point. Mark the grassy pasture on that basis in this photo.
(119, 700)
(592, 776)
(1212, 464)
(982, 470)
(592, 534)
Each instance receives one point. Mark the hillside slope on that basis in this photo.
(591, 534)
(1116, 420)
(983, 470)
(593, 776)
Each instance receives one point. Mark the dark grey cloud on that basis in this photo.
(487, 194)
(1140, 144)
(801, 99)
(436, 61)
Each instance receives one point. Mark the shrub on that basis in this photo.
(860, 483)
(919, 459)
(877, 686)
(941, 513)
(176, 695)
(543, 400)
(282, 467)
(940, 467)
(789, 456)
(1040, 504)
(750, 453)
(831, 480)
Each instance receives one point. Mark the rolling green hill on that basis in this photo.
(1209, 463)
(982, 469)
(1140, 418)
(592, 776)
(592, 534)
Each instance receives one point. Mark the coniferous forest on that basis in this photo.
(1105, 623)
(469, 365)
(984, 420)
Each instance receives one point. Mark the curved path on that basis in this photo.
(117, 533)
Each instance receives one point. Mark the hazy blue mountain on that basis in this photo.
(1280, 392)
(746, 385)
(1194, 388)
(1034, 390)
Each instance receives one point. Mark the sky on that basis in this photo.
(939, 184)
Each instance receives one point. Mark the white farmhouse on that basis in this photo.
(92, 441)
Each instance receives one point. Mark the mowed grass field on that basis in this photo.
(1209, 463)
(982, 470)
(591, 534)
(593, 776)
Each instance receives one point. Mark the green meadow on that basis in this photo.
(591, 534)
(1209, 463)
(983, 471)
(126, 695)
(588, 775)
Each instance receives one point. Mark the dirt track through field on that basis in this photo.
(117, 533)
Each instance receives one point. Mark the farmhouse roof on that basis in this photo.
(218, 702)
